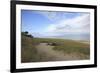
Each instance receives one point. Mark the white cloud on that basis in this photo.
(49, 15)
(55, 16)
(79, 24)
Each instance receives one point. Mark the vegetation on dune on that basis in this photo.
(69, 47)
(26, 33)
(29, 52)
(80, 51)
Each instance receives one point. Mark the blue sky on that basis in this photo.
(32, 21)
(49, 23)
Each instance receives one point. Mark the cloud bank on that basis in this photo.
(77, 25)
(65, 24)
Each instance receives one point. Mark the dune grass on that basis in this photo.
(29, 52)
(70, 47)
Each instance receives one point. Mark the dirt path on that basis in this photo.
(48, 54)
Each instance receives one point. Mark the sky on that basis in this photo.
(51, 23)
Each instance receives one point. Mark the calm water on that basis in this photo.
(77, 37)
(72, 37)
(69, 36)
